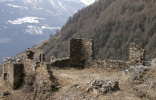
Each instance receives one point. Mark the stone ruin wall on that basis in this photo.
(30, 66)
(61, 63)
(110, 64)
(12, 74)
(80, 53)
(45, 83)
(115, 64)
(136, 55)
(33, 76)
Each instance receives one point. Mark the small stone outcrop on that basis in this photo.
(103, 86)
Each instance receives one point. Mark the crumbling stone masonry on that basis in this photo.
(137, 55)
(109, 64)
(29, 53)
(81, 49)
(31, 75)
(42, 57)
(80, 53)
(45, 82)
(115, 64)
(30, 66)
(13, 74)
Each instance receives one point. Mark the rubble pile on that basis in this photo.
(103, 86)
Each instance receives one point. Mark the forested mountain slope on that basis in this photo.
(113, 25)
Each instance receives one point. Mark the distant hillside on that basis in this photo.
(25, 23)
(113, 25)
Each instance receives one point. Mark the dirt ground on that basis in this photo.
(74, 84)
(72, 77)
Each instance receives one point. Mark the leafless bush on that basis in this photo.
(150, 81)
(136, 73)
(139, 93)
(153, 63)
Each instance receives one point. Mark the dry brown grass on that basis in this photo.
(74, 84)
(72, 77)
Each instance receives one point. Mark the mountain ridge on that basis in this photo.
(113, 25)
(27, 23)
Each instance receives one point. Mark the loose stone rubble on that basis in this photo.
(103, 86)
(5, 93)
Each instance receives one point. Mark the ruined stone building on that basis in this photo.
(80, 51)
(30, 75)
(81, 55)
(137, 55)
(13, 74)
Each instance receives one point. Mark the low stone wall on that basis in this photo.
(110, 64)
(115, 64)
(68, 63)
(64, 63)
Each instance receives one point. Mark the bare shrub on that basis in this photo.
(139, 93)
(136, 73)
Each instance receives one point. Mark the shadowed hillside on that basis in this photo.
(113, 25)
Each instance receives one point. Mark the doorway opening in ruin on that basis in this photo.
(5, 76)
